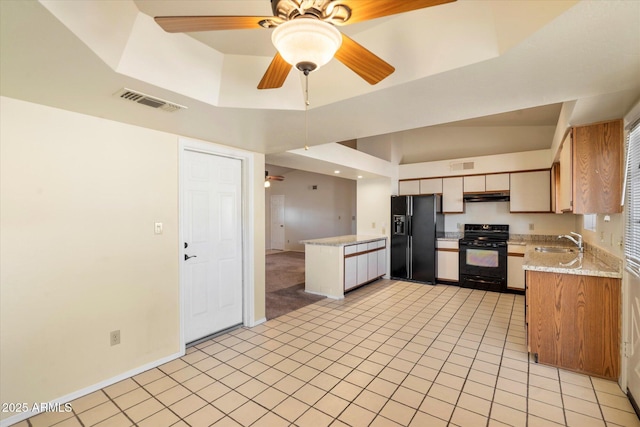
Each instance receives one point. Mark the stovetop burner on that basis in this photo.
(486, 232)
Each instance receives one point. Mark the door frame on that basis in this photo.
(248, 161)
(271, 221)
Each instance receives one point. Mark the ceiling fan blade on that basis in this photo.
(187, 24)
(363, 10)
(362, 61)
(276, 74)
(275, 178)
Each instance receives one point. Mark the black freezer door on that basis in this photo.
(400, 223)
(425, 221)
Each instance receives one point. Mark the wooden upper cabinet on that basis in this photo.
(565, 187)
(597, 167)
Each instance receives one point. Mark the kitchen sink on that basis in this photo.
(554, 249)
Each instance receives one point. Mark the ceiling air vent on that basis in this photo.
(462, 166)
(150, 101)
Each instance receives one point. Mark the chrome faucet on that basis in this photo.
(577, 242)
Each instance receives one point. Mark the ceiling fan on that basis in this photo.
(268, 178)
(306, 36)
(273, 177)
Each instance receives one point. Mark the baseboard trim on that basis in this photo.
(258, 322)
(95, 387)
(633, 402)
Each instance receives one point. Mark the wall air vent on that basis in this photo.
(462, 166)
(150, 101)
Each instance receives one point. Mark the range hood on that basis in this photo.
(487, 197)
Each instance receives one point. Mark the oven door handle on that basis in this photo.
(491, 282)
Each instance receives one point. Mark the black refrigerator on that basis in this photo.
(416, 223)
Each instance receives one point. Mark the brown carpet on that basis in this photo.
(285, 284)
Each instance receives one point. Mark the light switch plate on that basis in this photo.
(158, 228)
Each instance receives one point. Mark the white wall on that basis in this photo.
(310, 214)
(445, 142)
(528, 160)
(519, 223)
(374, 206)
(79, 198)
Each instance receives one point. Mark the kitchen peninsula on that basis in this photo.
(335, 265)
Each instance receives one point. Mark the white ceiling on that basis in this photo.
(493, 62)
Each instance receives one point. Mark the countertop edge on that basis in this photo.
(589, 264)
(351, 239)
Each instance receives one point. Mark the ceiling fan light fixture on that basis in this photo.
(306, 43)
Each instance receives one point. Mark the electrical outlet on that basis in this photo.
(114, 337)
(531, 226)
(373, 225)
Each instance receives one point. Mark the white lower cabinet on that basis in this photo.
(515, 273)
(447, 258)
(382, 261)
(364, 262)
(350, 272)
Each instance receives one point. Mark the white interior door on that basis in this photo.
(213, 244)
(277, 222)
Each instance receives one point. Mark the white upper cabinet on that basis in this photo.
(474, 184)
(452, 201)
(497, 182)
(431, 186)
(407, 188)
(531, 191)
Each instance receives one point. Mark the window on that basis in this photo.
(590, 221)
(632, 196)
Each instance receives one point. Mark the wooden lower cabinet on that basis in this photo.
(573, 322)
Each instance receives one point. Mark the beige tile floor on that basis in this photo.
(389, 354)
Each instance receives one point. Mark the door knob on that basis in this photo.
(186, 257)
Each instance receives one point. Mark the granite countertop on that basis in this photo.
(589, 263)
(343, 240)
(448, 239)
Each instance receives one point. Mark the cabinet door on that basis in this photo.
(407, 188)
(452, 195)
(515, 273)
(350, 272)
(372, 265)
(497, 182)
(363, 268)
(531, 191)
(598, 169)
(574, 322)
(382, 262)
(566, 175)
(431, 186)
(474, 184)
(448, 264)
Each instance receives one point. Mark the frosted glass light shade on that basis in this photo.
(306, 40)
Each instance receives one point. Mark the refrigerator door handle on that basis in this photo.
(410, 257)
